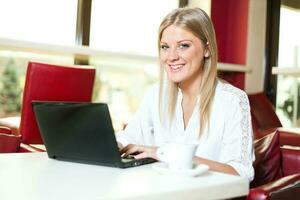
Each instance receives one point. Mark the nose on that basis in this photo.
(173, 54)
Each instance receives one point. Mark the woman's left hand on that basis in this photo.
(140, 151)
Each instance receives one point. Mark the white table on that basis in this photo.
(34, 176)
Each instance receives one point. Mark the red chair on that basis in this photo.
(263, 112)
(277, 170)
(8, 141)
(277, 164)
(47, 82)
(264, 118)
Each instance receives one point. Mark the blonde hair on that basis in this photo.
(197, 22)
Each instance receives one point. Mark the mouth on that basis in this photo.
(176, 68)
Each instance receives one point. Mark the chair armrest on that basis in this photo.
(284, 188)
(291, 130)
(11, 122)
(290, 160)
(9, 143)
(5, 130)
(289, 138)
(286, 136)
(29, 148)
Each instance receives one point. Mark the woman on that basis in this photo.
(190, 103)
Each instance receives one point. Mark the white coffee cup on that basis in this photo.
(177, 155)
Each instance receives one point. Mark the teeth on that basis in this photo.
(176, 66)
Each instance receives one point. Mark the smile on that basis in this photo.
(176, 67)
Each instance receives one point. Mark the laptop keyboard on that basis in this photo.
(130, 161)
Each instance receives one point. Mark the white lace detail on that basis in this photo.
(245, 122)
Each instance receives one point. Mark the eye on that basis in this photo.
(164, 46)
(184, 46)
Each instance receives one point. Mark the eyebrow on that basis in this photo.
(180, 41)
(185, 41)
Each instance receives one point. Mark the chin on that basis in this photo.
(175, 79)
(176, 82)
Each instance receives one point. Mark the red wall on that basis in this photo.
(230, 18)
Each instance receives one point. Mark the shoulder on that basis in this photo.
(230, 95)
(152, 90)
(230, 92)
(151, 94)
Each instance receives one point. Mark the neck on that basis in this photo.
(190, 89)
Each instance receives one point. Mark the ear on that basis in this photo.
(206, 52)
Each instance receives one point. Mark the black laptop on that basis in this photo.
(80, 132)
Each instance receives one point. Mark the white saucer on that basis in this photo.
(163, 169)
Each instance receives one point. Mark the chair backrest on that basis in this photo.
(262, 112)
(47, 82)
(267, 165)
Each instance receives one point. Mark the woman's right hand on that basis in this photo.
(139, 151)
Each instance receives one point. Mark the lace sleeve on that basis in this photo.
(237, 148)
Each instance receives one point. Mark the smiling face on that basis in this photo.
(182, 55)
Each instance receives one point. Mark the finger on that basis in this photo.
(141, 155)
(124, 149)
(132, 150)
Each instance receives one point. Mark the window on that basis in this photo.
(128, 26)
(47, 21)
(288, 87)
(123, 35)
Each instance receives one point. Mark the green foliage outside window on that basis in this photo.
(10, 91)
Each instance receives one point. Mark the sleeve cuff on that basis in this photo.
(244, 171)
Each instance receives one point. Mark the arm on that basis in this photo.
(150, 152)
(237, 140)
(232, 148)
(216, 166)
(138, 130)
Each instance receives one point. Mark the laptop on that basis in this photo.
(81, 132)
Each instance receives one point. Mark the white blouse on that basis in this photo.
(227, 138)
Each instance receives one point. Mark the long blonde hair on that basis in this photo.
(197, 22)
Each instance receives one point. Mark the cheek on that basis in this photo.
(163, 60)
(195, 58)
(188, 56)
(162, 57)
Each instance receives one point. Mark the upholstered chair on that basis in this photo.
(48, 82)
(277, 170)
(264, 119)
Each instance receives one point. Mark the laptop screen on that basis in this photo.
(80, 132)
